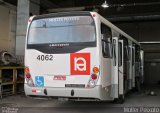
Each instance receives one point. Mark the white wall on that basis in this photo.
(4, 27)
(23, 9)
(7, 29)
(22, 20)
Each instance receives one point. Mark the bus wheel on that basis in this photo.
(120, 100)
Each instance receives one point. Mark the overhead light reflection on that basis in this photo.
(105, 4)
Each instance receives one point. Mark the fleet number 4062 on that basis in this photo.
(45, 57)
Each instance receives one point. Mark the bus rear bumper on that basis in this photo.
(97, 93)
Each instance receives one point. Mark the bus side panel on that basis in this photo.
(106, 72)
(121, 67)
(130, 66)
(133, 66)
(114, 78)
(142, 66)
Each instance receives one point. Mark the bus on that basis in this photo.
(80, 56)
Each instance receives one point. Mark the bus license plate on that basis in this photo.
(59, 78)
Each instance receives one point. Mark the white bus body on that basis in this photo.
(78, 55)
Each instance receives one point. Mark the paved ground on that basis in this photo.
(27, 105)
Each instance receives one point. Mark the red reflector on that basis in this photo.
(29, 20)
(94, 76)
(28, 76)
(34, 91)
(94, 15)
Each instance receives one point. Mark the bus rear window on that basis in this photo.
(71, 29)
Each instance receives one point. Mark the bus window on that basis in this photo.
(133, 56)
(106, 41)
(120, 54)
(74, 29)
(114, 53)
(126, 53)
(129, 53)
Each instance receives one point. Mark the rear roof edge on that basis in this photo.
(60, 14)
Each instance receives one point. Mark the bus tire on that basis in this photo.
(120, 100)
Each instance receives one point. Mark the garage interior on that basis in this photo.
(138, 18)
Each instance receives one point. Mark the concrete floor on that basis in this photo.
(133, 99)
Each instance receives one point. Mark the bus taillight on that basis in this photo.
(27, 73)
(95, 70)
(91, 83)
(26, 70)
(28, 77)
(94, 76)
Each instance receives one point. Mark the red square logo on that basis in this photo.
(80, 63)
